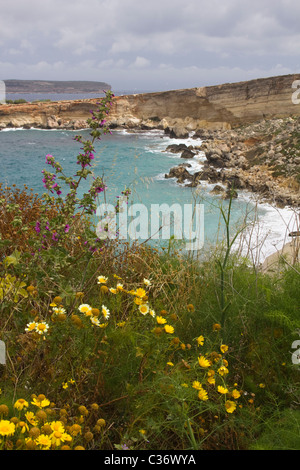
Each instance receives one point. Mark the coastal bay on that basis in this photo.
(248, 143)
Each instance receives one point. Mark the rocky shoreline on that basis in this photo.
(263, 158)
(249, 132)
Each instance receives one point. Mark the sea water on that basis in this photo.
(139, 161)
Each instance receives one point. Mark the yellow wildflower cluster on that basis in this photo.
(38, 327)
(41, 327)
(94, 314)
(39, 425)
(214, 368)
(164, 326)
(140, 295)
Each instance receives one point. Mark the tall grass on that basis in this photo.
(139, 377)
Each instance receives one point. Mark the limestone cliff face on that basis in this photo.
(46, 114)
(220, 107)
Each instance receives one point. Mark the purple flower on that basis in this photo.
(49, 159)
(38, 227)
(67, 228)
(99, 189)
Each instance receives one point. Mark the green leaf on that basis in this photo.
(12, 259)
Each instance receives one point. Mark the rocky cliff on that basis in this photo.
(219, 107)
(215, 107)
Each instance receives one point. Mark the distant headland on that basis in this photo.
(54, 86)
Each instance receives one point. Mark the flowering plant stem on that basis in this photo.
(223, 265)
(70, 208)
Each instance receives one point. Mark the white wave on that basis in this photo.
(160, 177)
(269, 231)
(12, 129)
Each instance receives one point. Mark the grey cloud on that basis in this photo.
(148, 45)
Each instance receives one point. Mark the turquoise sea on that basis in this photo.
(137, 160)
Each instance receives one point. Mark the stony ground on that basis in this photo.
(263, 157)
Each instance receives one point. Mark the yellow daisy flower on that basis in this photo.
(197, 385)
(86, 309)
(223, 370)
(95, 321)
(41, 402)
(42, 328)
(140, 292)
(144, 309)
(235, 394)
(43, 441)
(203, 362)
(20, 404)
(7, 428)
(30, 416)
(161, 320)
(169, 329)
(102, 280)
(230, 406)
(202, 395)
(105, 312)
(211, 380)
(30, 326)
(24, 426)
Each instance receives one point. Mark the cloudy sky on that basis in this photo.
(149, 45)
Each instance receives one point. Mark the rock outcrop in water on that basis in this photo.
(263, 158)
